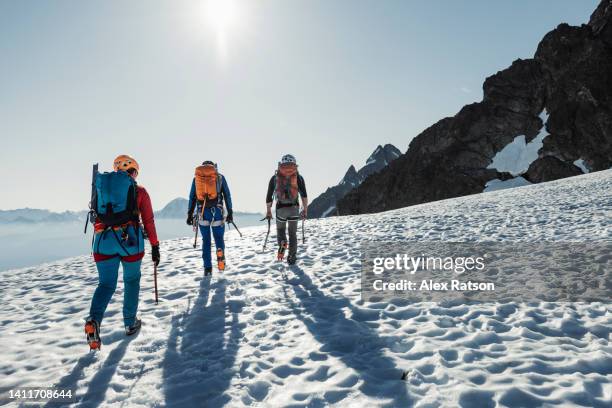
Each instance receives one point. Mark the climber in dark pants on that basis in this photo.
(287, 186)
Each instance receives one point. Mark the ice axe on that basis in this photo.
(155, 280)
(195, 223)
(232, 223)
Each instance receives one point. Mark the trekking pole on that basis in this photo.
(303, 235)
(155, 280)
(268, 233)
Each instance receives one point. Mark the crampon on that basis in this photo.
(281, 251)
(92, 330)
(220, 259)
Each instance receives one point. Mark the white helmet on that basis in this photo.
(288, 158)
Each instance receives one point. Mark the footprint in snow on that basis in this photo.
(261, 315)
(175, 295)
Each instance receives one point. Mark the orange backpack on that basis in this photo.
(207, 182)
(286, 183)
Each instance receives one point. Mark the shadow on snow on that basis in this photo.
(198, 364)
(353, 342)
(99, 383)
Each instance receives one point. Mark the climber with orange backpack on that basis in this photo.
(287, 186)
(209, 190)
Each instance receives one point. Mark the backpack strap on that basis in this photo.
(135, 203)
(220, 195)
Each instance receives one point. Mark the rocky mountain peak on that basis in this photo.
(560, 99)
(351, 177)
(325, 204)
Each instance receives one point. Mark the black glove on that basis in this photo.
(189, 219)
(155, 254)
(230, 217)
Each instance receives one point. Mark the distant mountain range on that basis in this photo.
(34, 215)
(176, 208)
(325, 204)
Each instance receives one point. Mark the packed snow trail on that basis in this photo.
(265, 334)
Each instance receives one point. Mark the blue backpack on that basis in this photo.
(115, 198)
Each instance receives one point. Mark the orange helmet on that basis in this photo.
(125, 163)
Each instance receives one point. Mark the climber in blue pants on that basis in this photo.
(119, 240)
(209, 190)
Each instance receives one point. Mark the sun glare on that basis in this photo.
(223, 16)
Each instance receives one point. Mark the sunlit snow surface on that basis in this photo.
(269, 335)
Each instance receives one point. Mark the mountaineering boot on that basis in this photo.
(291, 259)
(208, 271)
(281, 251)
(220, 259)
(92, 330)
(129, 330)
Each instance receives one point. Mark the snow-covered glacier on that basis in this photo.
(265, 334)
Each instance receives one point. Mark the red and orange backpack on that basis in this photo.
(287, 183)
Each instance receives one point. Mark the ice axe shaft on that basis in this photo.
(196, 222)
(195, 227)
(91, 215)
(268, 233)
(155, 280)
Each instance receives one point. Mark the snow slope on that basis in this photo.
(266, 334)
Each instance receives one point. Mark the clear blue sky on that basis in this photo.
(326, 80)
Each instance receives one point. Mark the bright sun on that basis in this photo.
(223, 16)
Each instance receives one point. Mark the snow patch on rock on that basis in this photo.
(582, 166)
(517, 155)
(497, 184)
(328, 211)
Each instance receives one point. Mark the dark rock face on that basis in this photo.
(325, 204)
(570, 77)
(578, 66)
(550, 168)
